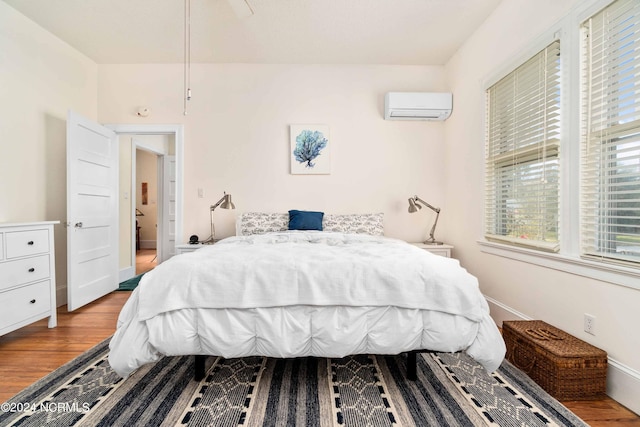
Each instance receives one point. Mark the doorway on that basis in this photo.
(115, 243)
(168, 220)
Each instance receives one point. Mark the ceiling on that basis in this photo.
(398, 32)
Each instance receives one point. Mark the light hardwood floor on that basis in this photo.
(145, 260)
(30, 353)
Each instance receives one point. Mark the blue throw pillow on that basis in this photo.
(305, 220)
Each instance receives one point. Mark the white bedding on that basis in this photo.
(293, 294)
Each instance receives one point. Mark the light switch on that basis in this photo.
(200, 193)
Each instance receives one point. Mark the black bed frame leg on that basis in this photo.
(412, 365)
(199, 365)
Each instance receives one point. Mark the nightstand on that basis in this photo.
(187, 247)
(442, 250)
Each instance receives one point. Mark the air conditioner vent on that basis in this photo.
(417, 106)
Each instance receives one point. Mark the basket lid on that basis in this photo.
(552, 339)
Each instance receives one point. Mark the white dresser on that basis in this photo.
(27, 274)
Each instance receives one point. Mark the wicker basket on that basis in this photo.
(566, 367)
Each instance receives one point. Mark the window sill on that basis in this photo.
(619, 275)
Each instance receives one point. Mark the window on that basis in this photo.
(522, 154)
(563, 148)
(610, 137)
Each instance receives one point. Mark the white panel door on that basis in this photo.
(168, 208)
(92, 211)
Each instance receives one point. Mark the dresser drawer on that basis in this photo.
(23, 303)
(20, 271)
(23, 243)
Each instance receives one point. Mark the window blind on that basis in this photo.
(610, 145)
(522, 154)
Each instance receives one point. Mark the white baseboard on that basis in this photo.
(623, 385)
(623, 382)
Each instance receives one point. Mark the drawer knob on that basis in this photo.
(32, 301)
(31, 270)
(30, 243)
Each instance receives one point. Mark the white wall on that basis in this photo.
(536, 292)
(237, 137)
(40, 79)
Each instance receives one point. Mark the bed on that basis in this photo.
(269, 291)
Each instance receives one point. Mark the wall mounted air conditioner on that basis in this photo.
(417, 106)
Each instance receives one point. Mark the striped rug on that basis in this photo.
(451, 390)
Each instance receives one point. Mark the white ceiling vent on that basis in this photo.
(417, 106)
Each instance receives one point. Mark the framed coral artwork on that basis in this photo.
(310, 150)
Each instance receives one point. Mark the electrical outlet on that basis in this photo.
(589, 324)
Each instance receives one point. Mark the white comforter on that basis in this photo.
(305, 294)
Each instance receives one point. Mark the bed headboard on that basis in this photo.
(249, 223)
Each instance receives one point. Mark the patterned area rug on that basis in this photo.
(451, 390)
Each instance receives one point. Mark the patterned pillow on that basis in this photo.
(371, 224)
(249, 223)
